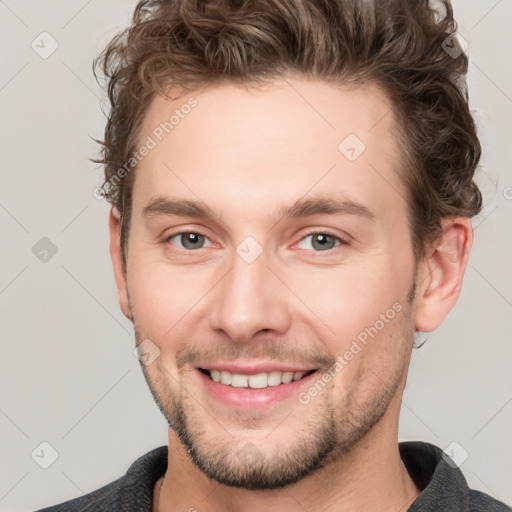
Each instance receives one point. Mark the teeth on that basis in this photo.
(274, 378)
(239, 381)
(225, 377)
(287, 377)
(259, 381)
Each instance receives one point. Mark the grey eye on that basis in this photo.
(190, 240)
(322, 241)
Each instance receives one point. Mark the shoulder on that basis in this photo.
(441, 482)
(103, 498)
(131, 492)
(481, 502)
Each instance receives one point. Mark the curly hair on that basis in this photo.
(406, 47)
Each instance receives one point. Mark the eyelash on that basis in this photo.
(311, 233)
(341, 241)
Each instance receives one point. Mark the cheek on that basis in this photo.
(164, 297)
(361, 313)
(348, 300)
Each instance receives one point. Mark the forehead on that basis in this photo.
(231, 144)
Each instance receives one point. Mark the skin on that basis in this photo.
(242, 152)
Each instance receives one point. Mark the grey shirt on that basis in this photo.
(442, 484)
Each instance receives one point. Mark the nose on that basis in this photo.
(249, 299)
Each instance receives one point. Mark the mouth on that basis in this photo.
(255, 381)
(250, 389)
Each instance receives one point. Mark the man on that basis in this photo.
(291, 187)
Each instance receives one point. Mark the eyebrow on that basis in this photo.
(300, 208)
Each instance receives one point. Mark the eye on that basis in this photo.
(322, 241)
(189, 240)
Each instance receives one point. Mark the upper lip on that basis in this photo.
(254, 368)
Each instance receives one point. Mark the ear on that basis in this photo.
(440, 280)
(117, 261)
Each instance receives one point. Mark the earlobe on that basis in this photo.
(117, 262)
(442, 273)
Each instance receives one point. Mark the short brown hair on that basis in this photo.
(405, 47)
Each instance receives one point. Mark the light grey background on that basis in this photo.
(68, 376)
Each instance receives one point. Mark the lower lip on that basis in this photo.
(251, 398)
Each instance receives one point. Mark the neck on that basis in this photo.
(370, 476)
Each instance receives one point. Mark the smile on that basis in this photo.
(256, 381)
(254, 389)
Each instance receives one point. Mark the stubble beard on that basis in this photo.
(328, 431)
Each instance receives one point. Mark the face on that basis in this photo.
(269, 241)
